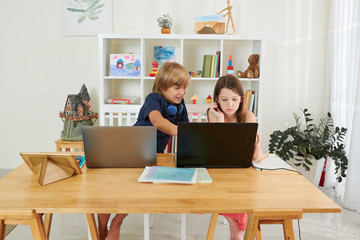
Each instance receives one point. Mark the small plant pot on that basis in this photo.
(165, 30)
(314, 174)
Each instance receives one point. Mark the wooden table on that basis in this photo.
(265, 195)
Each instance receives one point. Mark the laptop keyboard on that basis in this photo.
(203, 176)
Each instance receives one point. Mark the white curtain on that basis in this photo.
(344, 91)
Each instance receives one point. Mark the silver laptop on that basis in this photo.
(215, 145)
(119, 147)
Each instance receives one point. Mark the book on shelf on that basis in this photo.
(125, 65)
(206, 69)
(156, 174)
(255, 103)
(247, 98)
(252, 99)
(215, 66)
(218, 54)
(212, 65)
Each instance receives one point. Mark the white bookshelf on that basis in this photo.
(189, 51)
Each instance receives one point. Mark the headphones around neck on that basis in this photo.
(173, 109)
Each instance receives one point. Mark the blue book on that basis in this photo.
(215, 66)
(157, 174)
(80, 160)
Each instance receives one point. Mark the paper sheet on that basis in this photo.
(271, 162)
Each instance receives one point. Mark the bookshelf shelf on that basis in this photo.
(189, 51)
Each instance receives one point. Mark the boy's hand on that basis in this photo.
(218, 114)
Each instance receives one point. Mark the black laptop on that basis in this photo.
(120, 146)
(215, 145)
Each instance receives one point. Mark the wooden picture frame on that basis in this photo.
(52, 167)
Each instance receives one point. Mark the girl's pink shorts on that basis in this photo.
(240, 218)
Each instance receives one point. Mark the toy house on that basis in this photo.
(76, 114)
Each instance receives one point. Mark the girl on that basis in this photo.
(229, 106)
(164, 108)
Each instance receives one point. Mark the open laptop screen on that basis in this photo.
(215, 145)
(119, 146)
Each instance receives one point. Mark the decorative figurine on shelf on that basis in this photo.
(154, 71)
(253, 70)
(229, 16)
(230, 68)
(76, 114)
(194, 99)
(209, 100)
(165, 22)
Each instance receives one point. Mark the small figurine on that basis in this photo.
(209, 100)
(154, 71)
(230, 68)
(194, 99)
(229, 16)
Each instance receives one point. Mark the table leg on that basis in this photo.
(47, 224)
(212, 225)
(288, 229)
(251, 227)
(258, 233)
(2, 229)
(37, 227)
(92, 226)
(280, 216)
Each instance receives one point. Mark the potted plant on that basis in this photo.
(165, 22)
(307, 145)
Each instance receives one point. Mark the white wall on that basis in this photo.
(39, 66)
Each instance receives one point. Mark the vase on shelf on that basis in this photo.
(165, 30)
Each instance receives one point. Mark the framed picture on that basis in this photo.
(125, 65)
(87, 17)
(164, 54)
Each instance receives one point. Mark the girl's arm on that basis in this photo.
(162, 124)
(215, 114)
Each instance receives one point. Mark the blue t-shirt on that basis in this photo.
(155, 101)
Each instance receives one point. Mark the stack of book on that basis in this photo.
(251, 101)
(211, 66)
(157, 174)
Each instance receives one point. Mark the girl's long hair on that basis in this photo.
(233, 83)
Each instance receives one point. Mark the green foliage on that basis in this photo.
(311, 143)
(165, 21)
(86, 9)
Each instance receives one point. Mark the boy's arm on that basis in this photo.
(162, 124)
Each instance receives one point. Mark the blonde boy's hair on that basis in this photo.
(170, 74)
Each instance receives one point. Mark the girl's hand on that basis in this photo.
(218, 114)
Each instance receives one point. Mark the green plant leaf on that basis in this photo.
(93, 4)
(306, 167)
(81, 19)
(308, 162)
(93, 17)
(75, 10)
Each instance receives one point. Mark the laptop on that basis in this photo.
(215, 145)
(120, 146)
